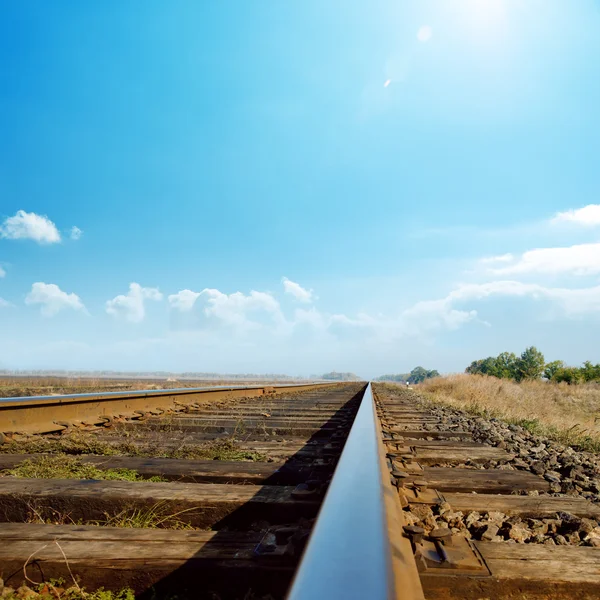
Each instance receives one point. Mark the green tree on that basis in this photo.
(505, 366)
(474, 368)
(400, 377)
(483, 366)
(419, 374)
(530, 365)
(570, 375)
(590, 372)
(552, 368)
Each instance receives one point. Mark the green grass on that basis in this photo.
(80, 443)
(226, 449)
(155, 517)
(63, 466)
(76, 443)
(56, 589)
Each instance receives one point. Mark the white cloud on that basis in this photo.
(426, 317)
(183, 300)
(52, 299)
(497, 259)
(2, 272)
(4, 303)
(449, 313)
(235, 308)
(581, 259)
(432, 315)
(296, 290)
(587, 216)
(211, 307)
(76, 233)
(26, 225)
(310, 317)
(574, 302)
(424, 34)
(131, 306)
(361, 320)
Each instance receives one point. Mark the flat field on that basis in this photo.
(12, 387)
(567, 413)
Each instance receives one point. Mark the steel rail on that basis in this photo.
(356, 550)
(43, 414)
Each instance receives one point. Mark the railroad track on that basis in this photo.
(344, 492)
(480, 528)
(225, 528)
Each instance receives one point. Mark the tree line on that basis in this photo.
(335, 376)
(531, 364)
(417, 375)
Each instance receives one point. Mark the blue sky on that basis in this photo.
(298, 187)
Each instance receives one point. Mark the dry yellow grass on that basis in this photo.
(46, 386)
(567, 413)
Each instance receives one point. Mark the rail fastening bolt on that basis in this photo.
(414, 532)
(443, 535)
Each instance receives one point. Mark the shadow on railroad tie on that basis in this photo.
(253, 549)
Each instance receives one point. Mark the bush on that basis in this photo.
(570, 375)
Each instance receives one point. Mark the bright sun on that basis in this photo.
(484, 16)
(424, 33)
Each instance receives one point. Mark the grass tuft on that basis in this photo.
(157, 516)
(63, 466)
(56, 589)
(225, 449)
(76, 443)
(86, 443)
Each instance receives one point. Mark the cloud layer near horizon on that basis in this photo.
(561, 280)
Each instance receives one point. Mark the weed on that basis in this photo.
(76, 443)
(240, 427)
(82, 443)
(154, 517)
(532, 425)
(63, 466)
(157, 516)
(224, 449)
(45, 515)
(55, 589)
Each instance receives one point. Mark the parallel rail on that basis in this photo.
(45, 414)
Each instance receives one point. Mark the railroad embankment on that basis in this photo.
(564, 413)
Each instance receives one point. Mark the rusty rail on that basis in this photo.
(44, 414)
(356, 549)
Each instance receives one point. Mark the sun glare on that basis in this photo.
(424, 33)
(485, 17)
